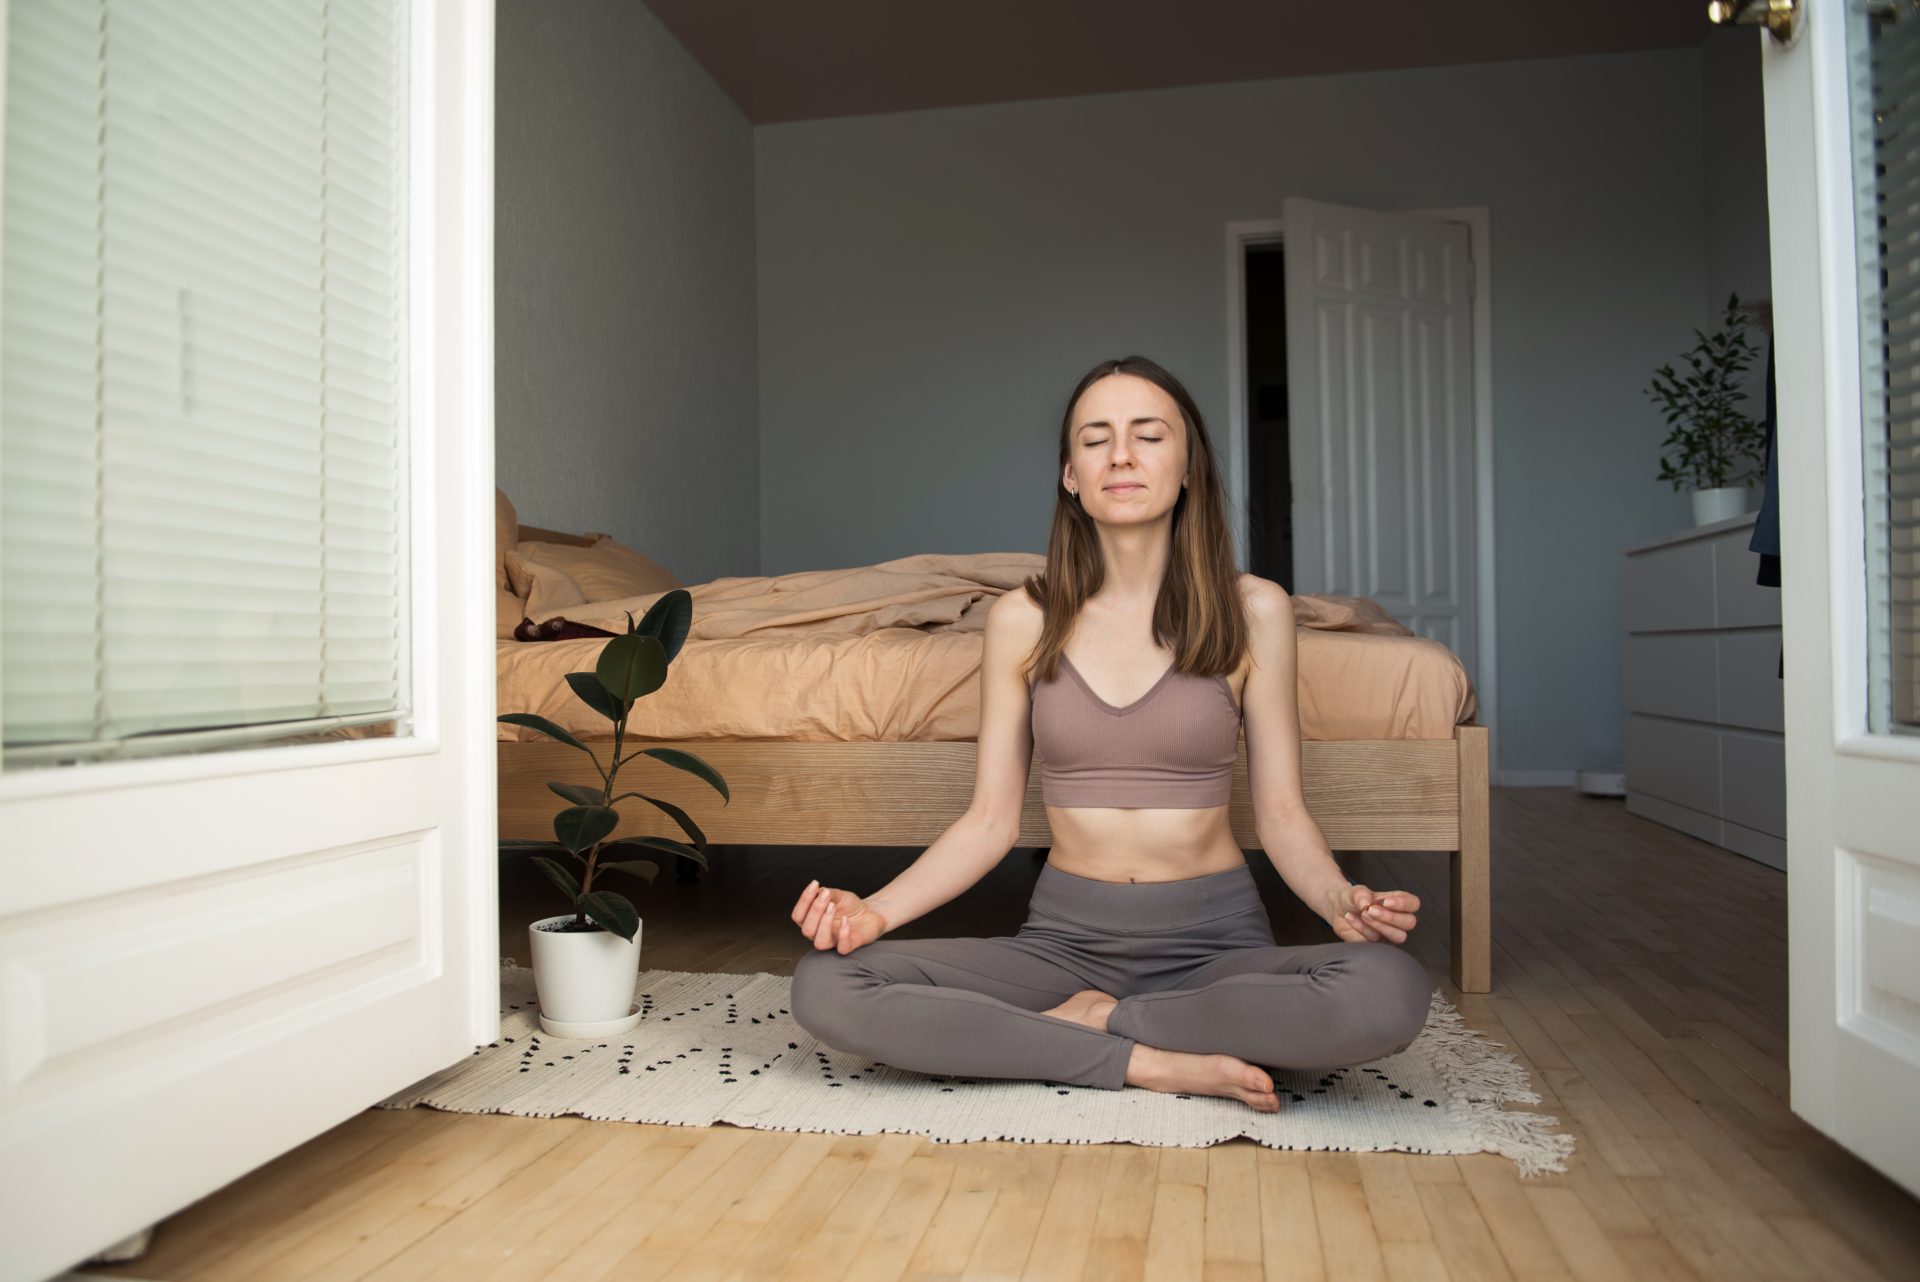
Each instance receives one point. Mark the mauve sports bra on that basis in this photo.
(1173, 747)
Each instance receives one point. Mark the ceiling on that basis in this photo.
(785, 60)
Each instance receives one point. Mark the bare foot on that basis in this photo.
(1223, 1075)
(1089, 1006)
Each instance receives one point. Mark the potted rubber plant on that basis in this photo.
(1708, 429)
(586, 960)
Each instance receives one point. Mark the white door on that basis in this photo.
(209, 957)
(1379, 313)
(1841, 101)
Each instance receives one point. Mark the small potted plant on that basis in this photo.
(585, 961)
(1710, 432)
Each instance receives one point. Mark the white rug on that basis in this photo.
(722, 1048)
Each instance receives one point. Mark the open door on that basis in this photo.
(1843, 164)
(1380, 399)
(223, 934)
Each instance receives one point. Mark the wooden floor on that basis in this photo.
(1639, 974)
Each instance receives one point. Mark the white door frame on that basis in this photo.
(1476, 218)
(1853, 1049)
(103, 1133)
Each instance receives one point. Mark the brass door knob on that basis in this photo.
(1780, 17)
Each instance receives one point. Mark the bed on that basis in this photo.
(841, 706)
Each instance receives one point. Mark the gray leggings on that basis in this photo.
(1193, 963)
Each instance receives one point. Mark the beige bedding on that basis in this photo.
(892, 652)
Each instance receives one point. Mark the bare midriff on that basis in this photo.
(1108, 843)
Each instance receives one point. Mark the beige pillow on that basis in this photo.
(506, 533)
(508, 611)
(606, 571)
(545, 589)
(509, 608)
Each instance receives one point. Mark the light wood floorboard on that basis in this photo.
(1639, 974)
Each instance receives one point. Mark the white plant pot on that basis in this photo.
(583, 980)
(1719, 504)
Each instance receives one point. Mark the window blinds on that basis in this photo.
(1884, 96)
(202, 376)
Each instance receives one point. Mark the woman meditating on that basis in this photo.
(1147, 958)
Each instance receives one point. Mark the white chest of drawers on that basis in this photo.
(1705, 752)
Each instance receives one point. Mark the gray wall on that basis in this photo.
(830, 343)
(931, 284)
(624, 278)
(1733, 160)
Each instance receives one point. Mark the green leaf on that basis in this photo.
(612, 912)
(579, 793)
(545, 727)
(666, 844)
(692, 765)
(561, 878)
(668, 620)
(680, 816)
(632, 666)
(638, 867)
(594, 695)
(579, 827)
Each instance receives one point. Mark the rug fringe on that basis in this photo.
(1482, 1079)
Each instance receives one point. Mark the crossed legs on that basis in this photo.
(976, 1007)
(969, 1007)
(1309, 1006)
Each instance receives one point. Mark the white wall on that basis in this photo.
(932, 283)
(624, 277)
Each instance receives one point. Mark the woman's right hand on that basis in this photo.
(837, 919)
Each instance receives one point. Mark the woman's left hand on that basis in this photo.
(1360, 915)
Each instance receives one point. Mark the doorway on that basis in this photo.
(1269, 502)
(1291, 494)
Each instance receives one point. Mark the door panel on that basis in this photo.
(1380, 387)
(208, 959)
(1853, 850)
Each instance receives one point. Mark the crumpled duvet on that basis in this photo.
(891, 651)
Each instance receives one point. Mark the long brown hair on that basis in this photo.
(1199, 612)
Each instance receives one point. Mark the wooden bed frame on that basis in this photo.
(1365, 794)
